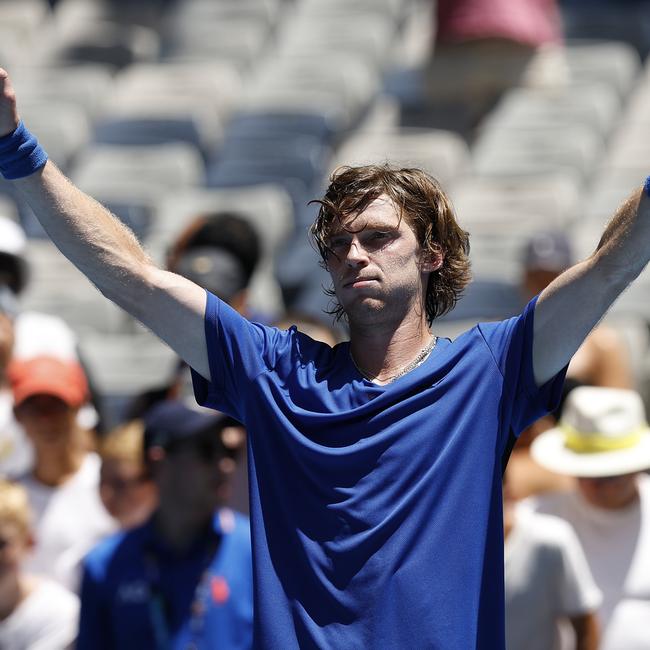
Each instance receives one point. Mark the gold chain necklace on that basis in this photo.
(419, 359)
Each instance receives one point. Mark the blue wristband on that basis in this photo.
(20, 154)
(646, 186)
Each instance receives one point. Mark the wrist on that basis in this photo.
(20, 154)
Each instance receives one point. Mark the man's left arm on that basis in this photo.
(569, 308)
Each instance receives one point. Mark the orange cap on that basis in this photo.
(48, 376)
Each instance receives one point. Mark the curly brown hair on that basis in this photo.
(419, 198)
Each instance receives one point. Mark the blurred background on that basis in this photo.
(533, 116)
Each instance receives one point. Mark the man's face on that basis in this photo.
(46, 419)
(127, 492)
(536, 280)
(190, 477)
(610, 492)
(376, 265)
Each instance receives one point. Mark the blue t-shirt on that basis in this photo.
(137, 593)
(376, 511)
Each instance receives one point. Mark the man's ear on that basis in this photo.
(432, 260)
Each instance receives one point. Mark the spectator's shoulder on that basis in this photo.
(547, 531)
(558, 503)
(242, 526)
(115, 551)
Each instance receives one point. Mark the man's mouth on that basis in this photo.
(359, 282)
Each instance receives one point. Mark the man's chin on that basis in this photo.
(363, 307)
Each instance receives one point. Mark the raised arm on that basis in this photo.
(109, 254)
(572, 305)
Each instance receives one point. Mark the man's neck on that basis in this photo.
(380, 353)
(14, 588)
(57, 464)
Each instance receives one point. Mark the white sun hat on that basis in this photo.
(602, 432)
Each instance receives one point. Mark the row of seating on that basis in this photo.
(167, 109)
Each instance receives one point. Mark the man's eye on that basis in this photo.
(379, 236)
(337, 243)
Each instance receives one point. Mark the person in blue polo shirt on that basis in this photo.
(184, 578)
(375, 465)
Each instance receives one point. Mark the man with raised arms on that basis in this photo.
(375, 466)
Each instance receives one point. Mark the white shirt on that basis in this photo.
(46, 620)
(617, 546)
(69, 521)
(547, 580)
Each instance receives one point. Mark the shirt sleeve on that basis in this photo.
(511, 345)
(238, 352)
(578, 593)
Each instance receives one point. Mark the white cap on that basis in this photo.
(12, 238)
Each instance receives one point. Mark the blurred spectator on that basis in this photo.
(16, 453)
(548, 582)
(484, 47)
(604, 440)
(602, 360)
(220, 252)
(63, 488)
(184, 578)
(35, 333)
(125, 485)
(35, 612)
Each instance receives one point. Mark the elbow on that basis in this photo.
(128, 288)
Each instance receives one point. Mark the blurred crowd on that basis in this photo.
(123, 511)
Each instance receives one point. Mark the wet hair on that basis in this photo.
(419, 199)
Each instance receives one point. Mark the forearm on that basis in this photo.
(569, 308)
(87, 234)
(624, 247)
(99, 244)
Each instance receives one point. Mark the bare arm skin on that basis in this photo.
(572, 304)
(110, 256)
(587, 631)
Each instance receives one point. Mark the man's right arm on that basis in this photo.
(110, 256)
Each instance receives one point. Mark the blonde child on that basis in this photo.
(35, 612)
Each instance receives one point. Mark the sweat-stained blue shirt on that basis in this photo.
(376, 511)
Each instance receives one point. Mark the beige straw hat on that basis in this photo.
(602, 432)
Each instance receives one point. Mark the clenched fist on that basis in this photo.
(8, 111)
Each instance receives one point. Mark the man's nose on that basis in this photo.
(356, 254)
